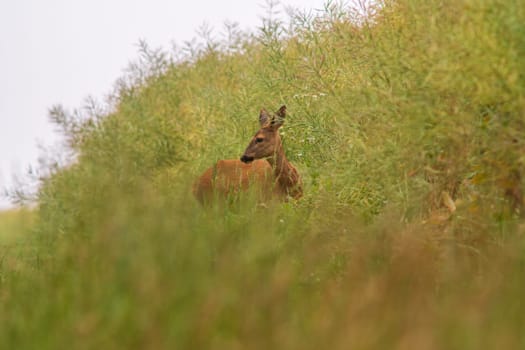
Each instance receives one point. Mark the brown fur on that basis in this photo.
(229, 176)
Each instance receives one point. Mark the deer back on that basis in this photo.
(230, 176)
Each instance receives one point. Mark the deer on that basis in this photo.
(263, 165)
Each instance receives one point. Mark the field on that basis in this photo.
(408, 128)
(15, 225)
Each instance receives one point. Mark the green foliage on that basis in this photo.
(14, 223)
(407, 126)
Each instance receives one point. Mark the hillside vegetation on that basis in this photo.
(408, 127)
(15, 224)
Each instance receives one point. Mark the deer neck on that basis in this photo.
(279, 162)
(285, 174)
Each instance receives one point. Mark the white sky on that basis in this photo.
(61, 51)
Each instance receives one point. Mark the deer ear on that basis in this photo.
(264, 118)
(278, 119)
(281, 113)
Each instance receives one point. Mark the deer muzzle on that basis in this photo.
(246, 159)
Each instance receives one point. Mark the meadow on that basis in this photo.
(408, 127)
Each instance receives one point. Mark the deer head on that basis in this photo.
(266, 142)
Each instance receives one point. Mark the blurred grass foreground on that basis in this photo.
(408, 127)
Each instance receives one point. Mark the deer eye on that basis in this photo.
(259, 139)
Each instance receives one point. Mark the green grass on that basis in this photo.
(15, 225)
(388, 119)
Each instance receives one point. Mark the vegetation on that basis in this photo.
(408, 128)
(14, 224)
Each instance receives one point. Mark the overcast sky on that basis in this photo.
(61, 51)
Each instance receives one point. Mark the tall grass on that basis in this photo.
(407, 126)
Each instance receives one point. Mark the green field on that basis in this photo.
(15, 225)
(408, 128)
